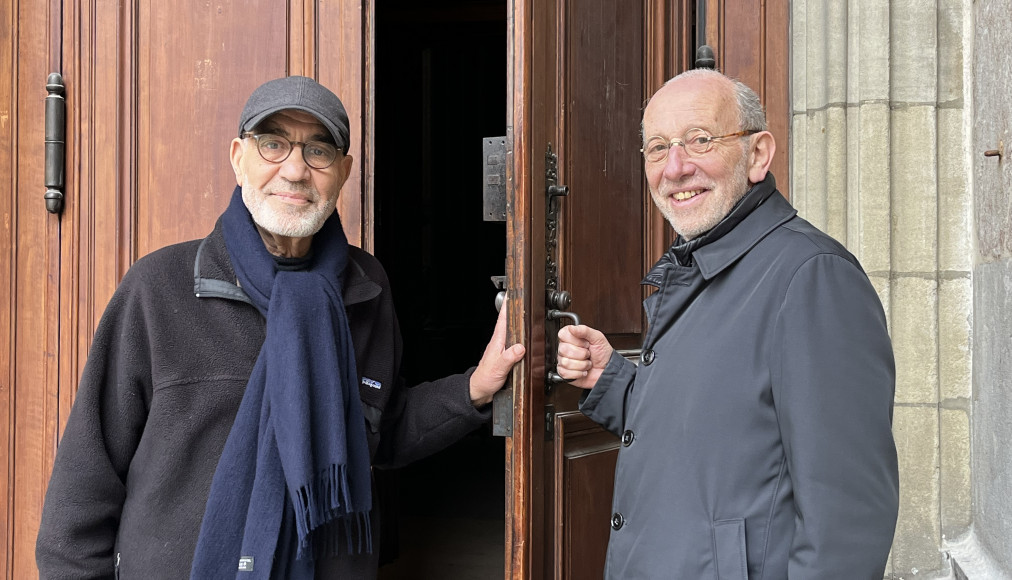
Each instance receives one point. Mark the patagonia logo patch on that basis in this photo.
(371, 383)
(246, 564)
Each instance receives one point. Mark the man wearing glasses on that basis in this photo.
(756, 426)
(240, 387)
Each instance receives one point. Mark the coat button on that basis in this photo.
(617, 521)
(647, 357)
(627, 438)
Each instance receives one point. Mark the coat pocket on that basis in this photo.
(373, 417)
(729, 549)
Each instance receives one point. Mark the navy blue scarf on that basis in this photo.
(297, 456)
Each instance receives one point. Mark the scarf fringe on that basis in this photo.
(326, 500)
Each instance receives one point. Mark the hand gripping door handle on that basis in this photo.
(559, 300)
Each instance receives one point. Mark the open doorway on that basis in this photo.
(440, 88)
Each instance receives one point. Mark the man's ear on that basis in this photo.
(344, 165)
(235, 155)
(761, 156)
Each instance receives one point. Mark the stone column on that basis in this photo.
(986, 550)
(880, 139)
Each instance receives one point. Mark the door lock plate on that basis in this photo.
(493, 174)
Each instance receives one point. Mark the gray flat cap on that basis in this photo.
(300, 93)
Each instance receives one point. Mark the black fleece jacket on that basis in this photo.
(163, 382)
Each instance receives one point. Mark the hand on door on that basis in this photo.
(495, 365)
(583, 354)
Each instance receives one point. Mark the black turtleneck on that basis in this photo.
(294, 264)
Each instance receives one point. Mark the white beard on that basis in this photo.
(705, 218)
(296, 222)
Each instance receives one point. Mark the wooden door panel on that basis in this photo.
(162, 85)
(598, 94)
(8, 156)
(342, 45)
(581, 73)
(30, 241)
(601, 98)
(579, 81)
(196, 63)
(751, 42)
(584, 463)
(154, 90)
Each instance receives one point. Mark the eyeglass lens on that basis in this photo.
(275, 148)
(695, 142)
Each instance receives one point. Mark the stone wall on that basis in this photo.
(985, 552)
(881, 161)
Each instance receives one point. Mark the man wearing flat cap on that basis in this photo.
(240, 387)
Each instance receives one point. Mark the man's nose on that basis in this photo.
(677, 164)
(295, 168)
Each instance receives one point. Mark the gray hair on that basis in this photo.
(751, 116)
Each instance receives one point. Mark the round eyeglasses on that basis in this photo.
(694, 142)
(276, 148)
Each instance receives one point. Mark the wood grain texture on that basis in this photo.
(582, 503)
(36, 247)
(523, 550)
(8, 272)
(154, 92)
(560, 94)
(339, 66)
(602, 98)
(197, 62)
(752, 45)
(669, 50)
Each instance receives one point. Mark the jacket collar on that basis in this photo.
(213, 276)
(766, 210)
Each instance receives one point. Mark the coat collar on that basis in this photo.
(714, 256)
(213, 276)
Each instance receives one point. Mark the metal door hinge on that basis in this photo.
(55, 145)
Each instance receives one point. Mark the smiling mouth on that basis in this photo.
(291, 197)
(684, 195)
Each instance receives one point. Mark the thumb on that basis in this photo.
(510, 357)
(582, 331)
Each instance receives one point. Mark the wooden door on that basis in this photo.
(153, 95)
(581, 72)
(30, 267)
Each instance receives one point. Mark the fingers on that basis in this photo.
(573, 368)
(583, 353)
(510, 357)
(496, 363)
(497, 358)
(498, 340)
(581, 332)
(574, 350)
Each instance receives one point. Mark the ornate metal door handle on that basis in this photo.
(557, 302)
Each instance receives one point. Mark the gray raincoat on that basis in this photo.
(756, 429)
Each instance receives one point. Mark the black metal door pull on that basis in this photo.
(56, 131)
